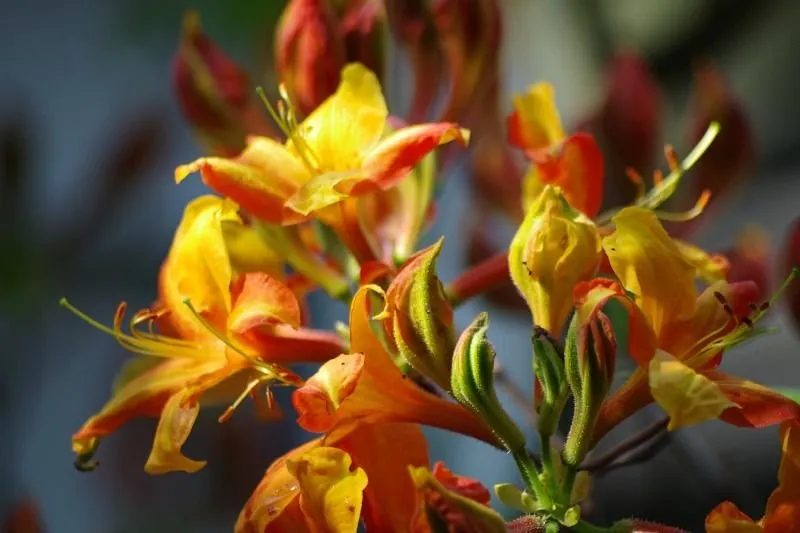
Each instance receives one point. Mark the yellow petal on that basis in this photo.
(708, 267)
(687, 396)
(535, 123)
(650, 264)
(197, 268)
(330, 493)
(248, 252)
(340, 131)
(174, 428)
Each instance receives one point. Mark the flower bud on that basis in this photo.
(214, 92)
(554, 248)
(309, 52)
(472, 383)
(792, 261)
(469, 34)
(418, 317)
(362, 27)
(590, 358)
(548, 367)
(634, 525)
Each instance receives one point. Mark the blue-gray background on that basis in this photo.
(75, 75)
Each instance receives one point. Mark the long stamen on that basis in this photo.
(636, 178)
(689, 214)
(188, 303)
(224, 417)
(286, 121)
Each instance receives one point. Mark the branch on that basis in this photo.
(483, 277)
(628, 447)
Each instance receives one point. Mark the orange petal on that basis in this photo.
(144, 393)
(260, 179)
(727, 518)
(383, 393)
(783, 507)
(385, 451)
(330, 493)
(262, 301)
(397, 154)
(274, 502)
(576, 165)
(756, 406)
(322, 395)
(197, 267)
(283, 344)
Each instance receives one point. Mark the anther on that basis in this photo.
(720, 297)
(672, 158)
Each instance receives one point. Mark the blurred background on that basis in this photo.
(90, 133)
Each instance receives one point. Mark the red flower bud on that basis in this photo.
(361, 27)
(214, 93)
(309, 52)
(792, 260)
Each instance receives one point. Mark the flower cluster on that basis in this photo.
(324, 190)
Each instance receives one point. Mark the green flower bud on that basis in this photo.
(548, 367)
(472, 383)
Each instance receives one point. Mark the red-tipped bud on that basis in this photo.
(470, 35)
(362, 26)
(309, 54)
(214, 93)
(729, 159)
(630, 117)
(750, 259)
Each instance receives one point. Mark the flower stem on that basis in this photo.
(481, 278)
(547, 463)
(530, 475)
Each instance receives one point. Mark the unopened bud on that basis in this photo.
(548, 367)
(590, 358)
(554, 248)
(472, 383)
(362, 27)
(214, 93)
(309, 52)
(418, 317)
(791, 263)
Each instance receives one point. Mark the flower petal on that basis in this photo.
(397, 154)
(385, 452)
(783, 507)
(197, 268)
(534, 123)
(383, 393)
(687, 396)
(650, 264)
(754, 405)
(708, 267)
(260, 179)
(283, 344)
(262, 300)
(348, 124)
(727, 518)
(274, 502)
(467, 487)
(177, 420)
(330, 493)
(317, 401)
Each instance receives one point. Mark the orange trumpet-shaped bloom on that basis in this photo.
(782, 514)
(691, 331)
(574, 163)
(339, 151)
(221, 331)
(367, 408)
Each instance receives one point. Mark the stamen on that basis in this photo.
(658, 177)
(636, 178)
(672, 158)
(224, 417)
(685, 216)
(287, 122)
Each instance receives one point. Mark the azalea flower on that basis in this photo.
(340, 151)
(677, 336)
(220, 330)
(368, 410)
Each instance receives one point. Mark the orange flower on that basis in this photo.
(783, 506)
(368, 409)
(339, 151)
(221, 331)
(691, 331)
(573, 163)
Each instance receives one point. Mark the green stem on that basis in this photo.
(547, 463)
(585, 527)
(530, 475)
(567, 483)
